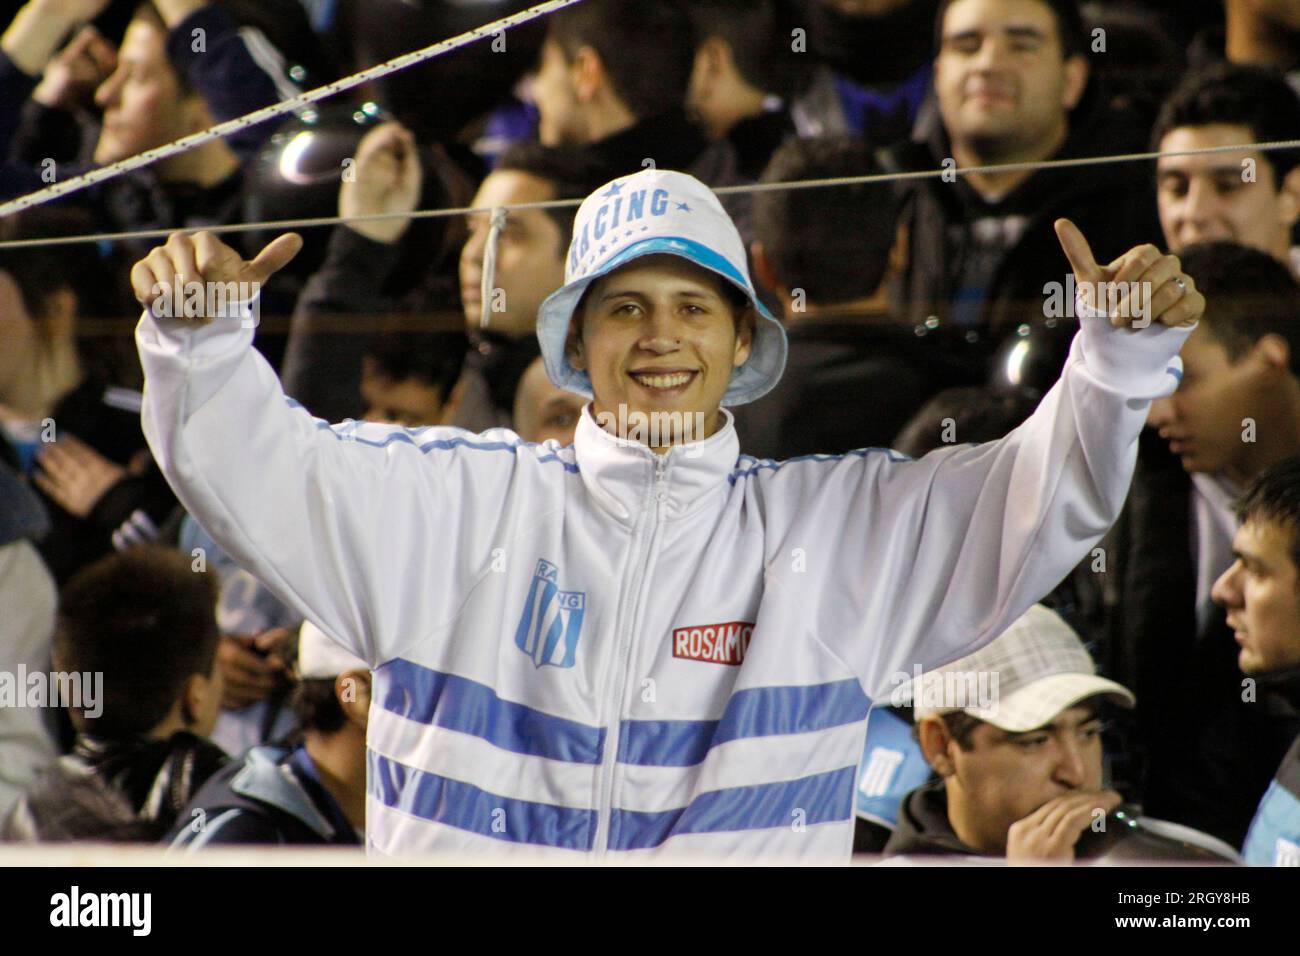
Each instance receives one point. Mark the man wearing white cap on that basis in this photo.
(1014, 732)
(644, 642)
(313, 793)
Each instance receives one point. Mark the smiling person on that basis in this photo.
(1252, 196)
(639, 643)
(1013, 84)
(1261, 593)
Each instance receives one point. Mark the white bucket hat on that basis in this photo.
(1040, 668)
(657, 211)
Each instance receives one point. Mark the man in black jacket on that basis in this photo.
(1014, 733)
(613, 81)
(1209, 753)
(135, 644)
(1012, 81)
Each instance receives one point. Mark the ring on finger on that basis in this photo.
(1182, 285)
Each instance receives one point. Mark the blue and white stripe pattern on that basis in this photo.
(453, 762)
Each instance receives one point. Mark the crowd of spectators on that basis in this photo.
(919, 311)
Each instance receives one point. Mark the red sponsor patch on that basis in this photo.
(716, 643)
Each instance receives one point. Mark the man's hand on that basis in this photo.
(205, 259)
(1140, 286)
(72, 76)
(1051, 831)
(251, 667)
(74, 475)
(34, 35)
(386, 179)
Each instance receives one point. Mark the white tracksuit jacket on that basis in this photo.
(594, 651)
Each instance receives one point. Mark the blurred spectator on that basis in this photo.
(138, 627)
(27, 737)
(855, 372)
(1014, 733)
(871, 65)
(963, 414)
(742, 78)
(1251, 197)
(1143, 61)
(158, 85)
(1012, 80)
(1261, 593)
(1254, 32)
(312, 793)
(75, 410)
(407, 377)
(544, 412)
(322, 366)
(1236, 411)
(613, 80)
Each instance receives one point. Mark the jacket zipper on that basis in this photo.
(658, 495)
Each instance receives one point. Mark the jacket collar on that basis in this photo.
(625, 476)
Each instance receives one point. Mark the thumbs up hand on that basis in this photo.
(1140, 286)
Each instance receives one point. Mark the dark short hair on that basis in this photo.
(434, 358)
(316, 706)
(1274, 496)
(753, 29)
(573, 173)
(980, 413)
(646, 48)
(1248, 294)
(1069, 26)
(1252, 96)
(833, 242)
(146, 620)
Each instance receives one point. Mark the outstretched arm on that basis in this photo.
(926, 560)
(357, 527)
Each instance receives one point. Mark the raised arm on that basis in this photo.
(922, 561)
(368, 530)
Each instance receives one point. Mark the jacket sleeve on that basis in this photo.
(373, 532)
(917, 563)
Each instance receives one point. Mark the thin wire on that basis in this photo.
(721, 191)
(185, 143)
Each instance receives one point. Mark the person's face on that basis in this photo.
(410, 402)
(1203, 419)
(1000, 75)
(553, 91)
(1261, 594)
(141, 98)
(1205, 198)
(1004, 777)
(658, 337)
(544, 412)
(530, 257)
